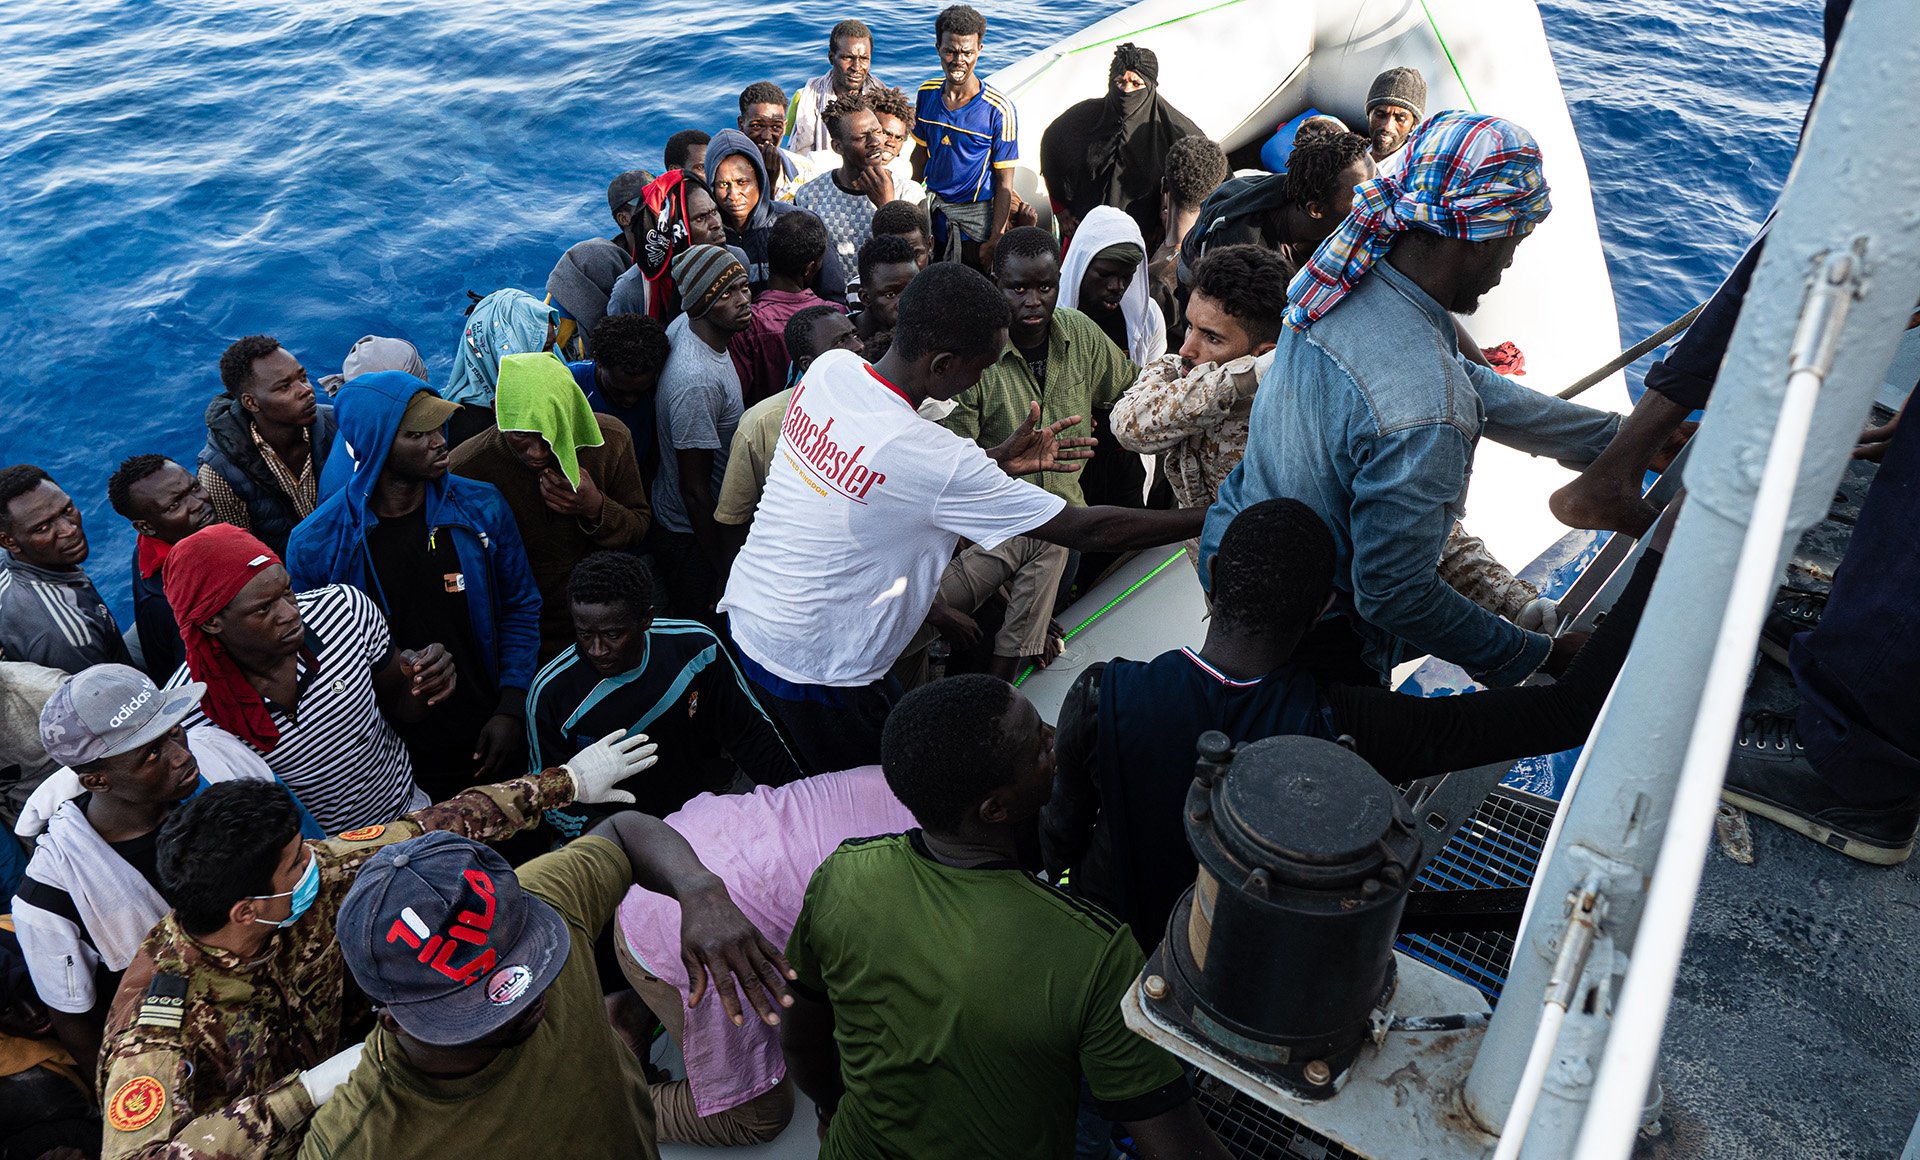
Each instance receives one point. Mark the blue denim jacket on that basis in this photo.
(1370, 418)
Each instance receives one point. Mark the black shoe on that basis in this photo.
(1769, 775)
(1793, 612)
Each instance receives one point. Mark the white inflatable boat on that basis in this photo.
(1242, 68)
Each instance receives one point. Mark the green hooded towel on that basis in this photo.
(536, 393)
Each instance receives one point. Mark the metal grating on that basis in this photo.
(1251, 1130)
(1499, 845)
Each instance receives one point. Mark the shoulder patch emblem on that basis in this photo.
(165, 1002)
(136, 1103)
(363, 834)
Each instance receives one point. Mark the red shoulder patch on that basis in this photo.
(136, 1103)
(363, 834)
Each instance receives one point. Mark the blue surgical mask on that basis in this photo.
(302, 894)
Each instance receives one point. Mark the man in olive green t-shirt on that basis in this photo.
(491, 1026)
(947, 1002)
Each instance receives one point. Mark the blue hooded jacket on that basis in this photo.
(754, 234)
(330, 546)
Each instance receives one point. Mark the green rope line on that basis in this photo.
(1077, 629)
(1124, 37)
(1454, 63)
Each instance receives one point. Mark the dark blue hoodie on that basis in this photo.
(753, 236)
(330, 546)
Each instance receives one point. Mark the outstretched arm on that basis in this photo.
(1117, 529)
(715, 938)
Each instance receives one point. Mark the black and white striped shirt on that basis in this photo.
(341, 757)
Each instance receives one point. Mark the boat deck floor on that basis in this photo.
(1795, 1026)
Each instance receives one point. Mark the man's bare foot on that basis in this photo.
(1603, 504)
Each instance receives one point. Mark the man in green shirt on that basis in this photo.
(1055, 356)
(947, 1002)
(492, 1036)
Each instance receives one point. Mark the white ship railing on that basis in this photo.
(1826, 310)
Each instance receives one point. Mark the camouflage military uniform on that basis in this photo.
(202, 1052)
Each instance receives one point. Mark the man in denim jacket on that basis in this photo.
(1370, 415)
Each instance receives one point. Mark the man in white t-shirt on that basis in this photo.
(865, 504)
(697, 406)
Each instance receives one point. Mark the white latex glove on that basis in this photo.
(1539, 615)
(607, 762)
(322, 1078)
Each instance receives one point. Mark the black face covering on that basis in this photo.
(1113, 151)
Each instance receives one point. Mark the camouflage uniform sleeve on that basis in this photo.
(1471, 570)
(485, 813)
(147, 1100)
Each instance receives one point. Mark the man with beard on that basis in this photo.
(845, 198)
(50, 613)
(1112, 150)
(1395, 104)
(966, 143)
(1376, 427)
(849, 74)
(165, 504)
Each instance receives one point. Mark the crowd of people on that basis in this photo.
(654, 674)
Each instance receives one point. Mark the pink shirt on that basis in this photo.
(765, 846)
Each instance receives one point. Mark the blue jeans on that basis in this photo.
(1857, 671)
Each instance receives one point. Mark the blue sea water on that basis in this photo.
(178, 174)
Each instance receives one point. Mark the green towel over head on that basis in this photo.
(536, 393)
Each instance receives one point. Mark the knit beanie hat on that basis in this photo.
(1400, 86)
(702, 274)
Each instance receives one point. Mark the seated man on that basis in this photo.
(906, 220)
(845, 198)
(671, 679)
(795, 252)
(443, 559)
(1370, 355)
(935, 944)
(223, 1036)
(165, 504)
(526, 1060)
(763, 119)
(868, 500)
(687, 151)
(764, 845)
(1396, 103)
(1289, 213)
(629, 352)
(1128, 728)
(849, 72)
(50, 612)
(568, 476)
(267, 441)
(887, 264)
(92, 889)
(1104, 277)
(260, 650)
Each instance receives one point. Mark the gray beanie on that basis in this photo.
(1400, 86)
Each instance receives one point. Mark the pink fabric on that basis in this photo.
(765, 846)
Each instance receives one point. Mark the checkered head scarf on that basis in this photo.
(1467, 176)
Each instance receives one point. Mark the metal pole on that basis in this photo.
(1615, 825)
